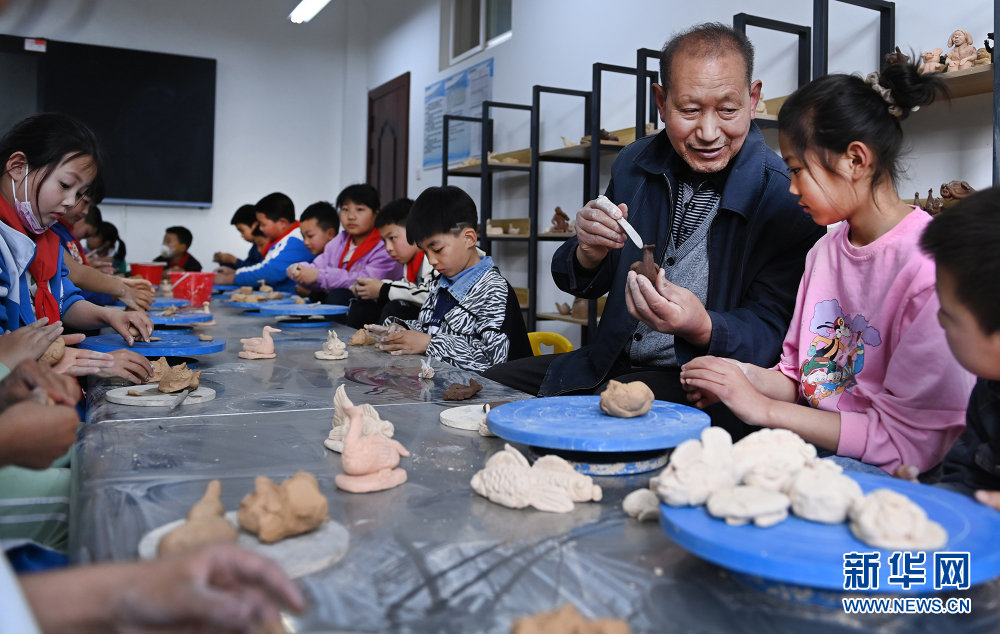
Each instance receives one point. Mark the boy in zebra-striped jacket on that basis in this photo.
(471, 318)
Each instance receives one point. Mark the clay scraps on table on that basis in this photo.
(245, 290)
(626, 400)
(299, 300)
(370, 462)
(273, 512)
(245, 298)
(170, 311)
(55, 352)
(206, 523)
(179, 377)
(551, 484)
(460, 392)
(647, 266)
(205, 337)
(372, 422)
(567, 620)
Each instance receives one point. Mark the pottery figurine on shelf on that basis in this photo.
(932, 62)
(560, 221)
(333, 348)
(956, 190)
(563, 308)
(962, 54)
(371, 463)
(933, 205)
(983, 57)
(259, 347)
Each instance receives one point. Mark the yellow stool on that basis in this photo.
(554, 339)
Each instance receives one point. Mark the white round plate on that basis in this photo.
(467, 417)
(153, 397)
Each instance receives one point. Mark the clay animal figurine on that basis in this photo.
(426, 370)
(264, 288)
(604, 135)
(373, 423)
(551, 484)
(962, 54)
(333, 348)
(563, 308)
(983, 57)
(206, 523)
(626, 400)
(274, 512)
(933, 205)
(560, 221)
(932, 62)
(371, 463)
(647, 266)
(259, 347)
(956, 190)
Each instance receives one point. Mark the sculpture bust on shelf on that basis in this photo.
(962, 54)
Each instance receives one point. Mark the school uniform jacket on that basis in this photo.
(273, 268)
(406, 291)
(483, 329)
(16, 253)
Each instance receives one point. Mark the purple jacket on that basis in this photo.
(376, 263)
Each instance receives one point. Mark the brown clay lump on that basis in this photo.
(567, 620)
(55, 352)
(362, 338)
(274, 512)
(205, 523)
(179, 378)
(459, 392)
(626, 400)
(647, 266)
(160, 367)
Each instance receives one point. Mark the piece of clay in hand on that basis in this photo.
(647, 266)
(55, 352)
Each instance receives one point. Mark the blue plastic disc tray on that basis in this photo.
(301, 310)
(171, 346)
(164, 302)
(224, 287)
(576, 423)
(804, 553)
(179, 318)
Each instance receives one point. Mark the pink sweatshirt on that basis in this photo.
(376, 263)
(865, 342)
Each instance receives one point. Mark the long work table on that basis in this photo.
(430, 555)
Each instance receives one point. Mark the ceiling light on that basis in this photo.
(306, 10)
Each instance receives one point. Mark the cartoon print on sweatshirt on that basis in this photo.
(837, 352)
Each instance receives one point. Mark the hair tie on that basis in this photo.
(884, 93)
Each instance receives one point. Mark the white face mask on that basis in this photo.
(167, 252)
(24, 210)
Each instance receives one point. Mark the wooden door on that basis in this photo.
(388, 137)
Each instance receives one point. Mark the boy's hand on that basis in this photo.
(224, 276)
(137, 294)
(120, 321)
(129, 365)
(30, 376)
(224, 258)
(405, 342)
(989, 498)
(367, 288)
(303, 274)
(28, 342)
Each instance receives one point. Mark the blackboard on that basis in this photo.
(153, 114)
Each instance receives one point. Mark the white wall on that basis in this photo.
(278, 100)
(556, 42)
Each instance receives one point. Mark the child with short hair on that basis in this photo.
(276, 219)
(355, 252)
(319, 224)
(378, 300)
(105, 247)
(245, 221)
(963, 243)
(864, 370)
(471, 318)
(176, 242)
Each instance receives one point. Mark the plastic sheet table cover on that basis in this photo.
(431, 555)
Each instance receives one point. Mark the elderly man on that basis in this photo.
(729, 237)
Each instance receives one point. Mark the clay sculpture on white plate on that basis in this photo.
(274, 512)
(822, 493)
(259, 347)
(178, 378)
(370, 463)
(745, 503)
(551, 484)
(626, 400)
(697, 468)
(206, 523)
(333, 348)
(642, 504)
(890, 520)
(373, 423)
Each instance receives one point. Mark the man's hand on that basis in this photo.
(33, 433)
(129, 365)
(668, 308)
(367, 288)
(29, 376)
(137, 294)
(28, 342)
(404, 342)
(598, 231)
(120, 320)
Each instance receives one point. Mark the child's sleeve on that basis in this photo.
(920, 409)
(407, 291)
(973, 463)
(487, 344)
(274, 268)
(67, 294)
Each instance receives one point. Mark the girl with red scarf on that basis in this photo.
(49, 162)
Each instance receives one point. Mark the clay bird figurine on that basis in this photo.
(371, 463)
(259, 347)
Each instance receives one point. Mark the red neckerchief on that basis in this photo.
(79, 246)
(180, 265)
(43, 267)
(366, 245)
(267, 248)
(413, 266)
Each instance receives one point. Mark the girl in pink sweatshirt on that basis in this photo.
(865, 369)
